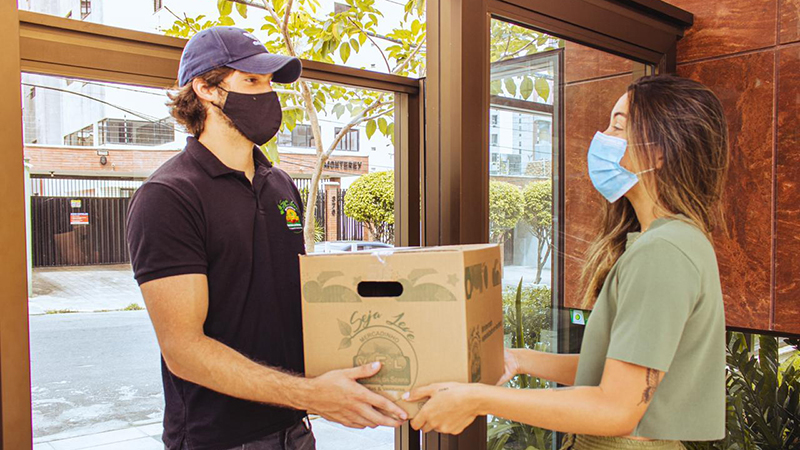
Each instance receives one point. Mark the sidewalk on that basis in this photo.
(330, 436)
(83, 289)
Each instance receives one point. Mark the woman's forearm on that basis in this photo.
(568, 410)
(560, 368)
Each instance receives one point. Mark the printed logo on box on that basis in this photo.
(373, 338)
(475, 368)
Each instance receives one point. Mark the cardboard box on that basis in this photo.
(428, 314)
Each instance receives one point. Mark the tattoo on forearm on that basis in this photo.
(652, 383)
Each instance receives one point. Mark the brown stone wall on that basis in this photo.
(748, 52)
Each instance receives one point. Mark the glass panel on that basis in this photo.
(378, 36)
(88, 147)
(546, 94)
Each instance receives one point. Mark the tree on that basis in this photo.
(538, 215)
(295, 28)
(505, 209)
(511, 41)
(370, 200)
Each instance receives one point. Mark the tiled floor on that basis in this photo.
(330, 436)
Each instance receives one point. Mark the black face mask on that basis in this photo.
(257, 116)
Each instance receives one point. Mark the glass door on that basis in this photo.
(548, 96)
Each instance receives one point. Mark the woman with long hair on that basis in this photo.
(651, 371)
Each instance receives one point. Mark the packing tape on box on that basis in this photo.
(379, 254)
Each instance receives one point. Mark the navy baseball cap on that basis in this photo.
(235, 48)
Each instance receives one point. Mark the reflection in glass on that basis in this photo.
(88, 146)
(523, 129)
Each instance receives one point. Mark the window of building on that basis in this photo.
(86, 8)
(157, 5)
(349, 142)
(135, 132)
(494, 119)
(494, 138)
(83, 137)
(301, 136)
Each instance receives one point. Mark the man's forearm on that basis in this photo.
(568, 410)
(549, 366)
(216, 366)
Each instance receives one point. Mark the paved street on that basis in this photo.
(96, 384)
(93, 372)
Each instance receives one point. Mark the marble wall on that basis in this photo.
(748, 52)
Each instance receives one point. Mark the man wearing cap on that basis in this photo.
(214, 237)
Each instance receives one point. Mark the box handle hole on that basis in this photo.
(380, 289)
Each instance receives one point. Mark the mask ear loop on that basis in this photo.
(645, 171)
(226, 91)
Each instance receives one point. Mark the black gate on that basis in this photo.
(349, 228)
(78, 231)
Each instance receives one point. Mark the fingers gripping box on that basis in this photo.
(428, 315)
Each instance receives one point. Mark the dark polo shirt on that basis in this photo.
(196, 215)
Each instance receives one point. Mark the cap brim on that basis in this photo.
(285, 69)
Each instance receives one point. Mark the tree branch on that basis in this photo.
(286, 91)
(249, 3)
(410, 57)
(355, 121)
(286, 14)
(382, 113)
(185, 20)
(388, 67)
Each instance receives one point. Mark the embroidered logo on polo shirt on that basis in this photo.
(289, 210)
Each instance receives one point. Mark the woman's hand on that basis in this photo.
(451, 408)
(511, 369)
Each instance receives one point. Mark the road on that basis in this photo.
(92, 372)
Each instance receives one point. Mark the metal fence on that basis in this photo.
(78, 231)
(81, 221)
(44, 186)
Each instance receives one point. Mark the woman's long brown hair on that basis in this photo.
(682, 122)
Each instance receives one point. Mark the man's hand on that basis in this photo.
(338, 397)
(511, 367)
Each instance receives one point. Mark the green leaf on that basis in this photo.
(371, 127)
(526, 88)
(354, 43)
(543, 88)
(344, 52)
(338, 109)
(362, 38)
(382, 125)
(241, 8)
(227, 21)
(290, 119)
(496, 87)
(270, 150)
(511, 86)
(390, 131)
(225, 7)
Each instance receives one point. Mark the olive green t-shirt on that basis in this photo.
(661, 307)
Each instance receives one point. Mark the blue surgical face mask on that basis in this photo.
(608, 176)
